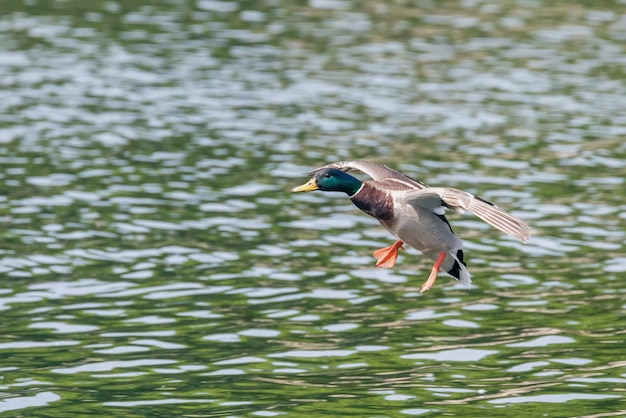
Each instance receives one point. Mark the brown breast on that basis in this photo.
(374, 201)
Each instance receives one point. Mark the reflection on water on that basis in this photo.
(154, 261)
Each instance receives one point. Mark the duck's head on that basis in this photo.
(331, 180)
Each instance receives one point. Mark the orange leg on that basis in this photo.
(387, 256)
(433, 273)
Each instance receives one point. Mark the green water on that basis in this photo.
(154, 262)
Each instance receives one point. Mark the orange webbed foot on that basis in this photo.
(387, 256)
(433, 273)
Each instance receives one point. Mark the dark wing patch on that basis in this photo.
(484, 201)
(445, 220)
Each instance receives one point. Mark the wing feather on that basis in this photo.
(438, 198)
(378, 172)
(461, 201)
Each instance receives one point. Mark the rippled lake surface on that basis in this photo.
(154, 263)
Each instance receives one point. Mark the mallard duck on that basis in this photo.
(413, 213)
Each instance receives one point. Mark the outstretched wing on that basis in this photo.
(434, 198)
(377, 172)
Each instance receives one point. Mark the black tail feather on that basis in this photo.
(455, 271)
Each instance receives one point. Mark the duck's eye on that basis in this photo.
(327, 175)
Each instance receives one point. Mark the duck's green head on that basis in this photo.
(331, 180)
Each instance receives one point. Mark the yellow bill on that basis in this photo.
(306, 187)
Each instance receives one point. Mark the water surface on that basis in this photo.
(155, 264)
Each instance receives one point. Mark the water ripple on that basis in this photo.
(147, 154)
